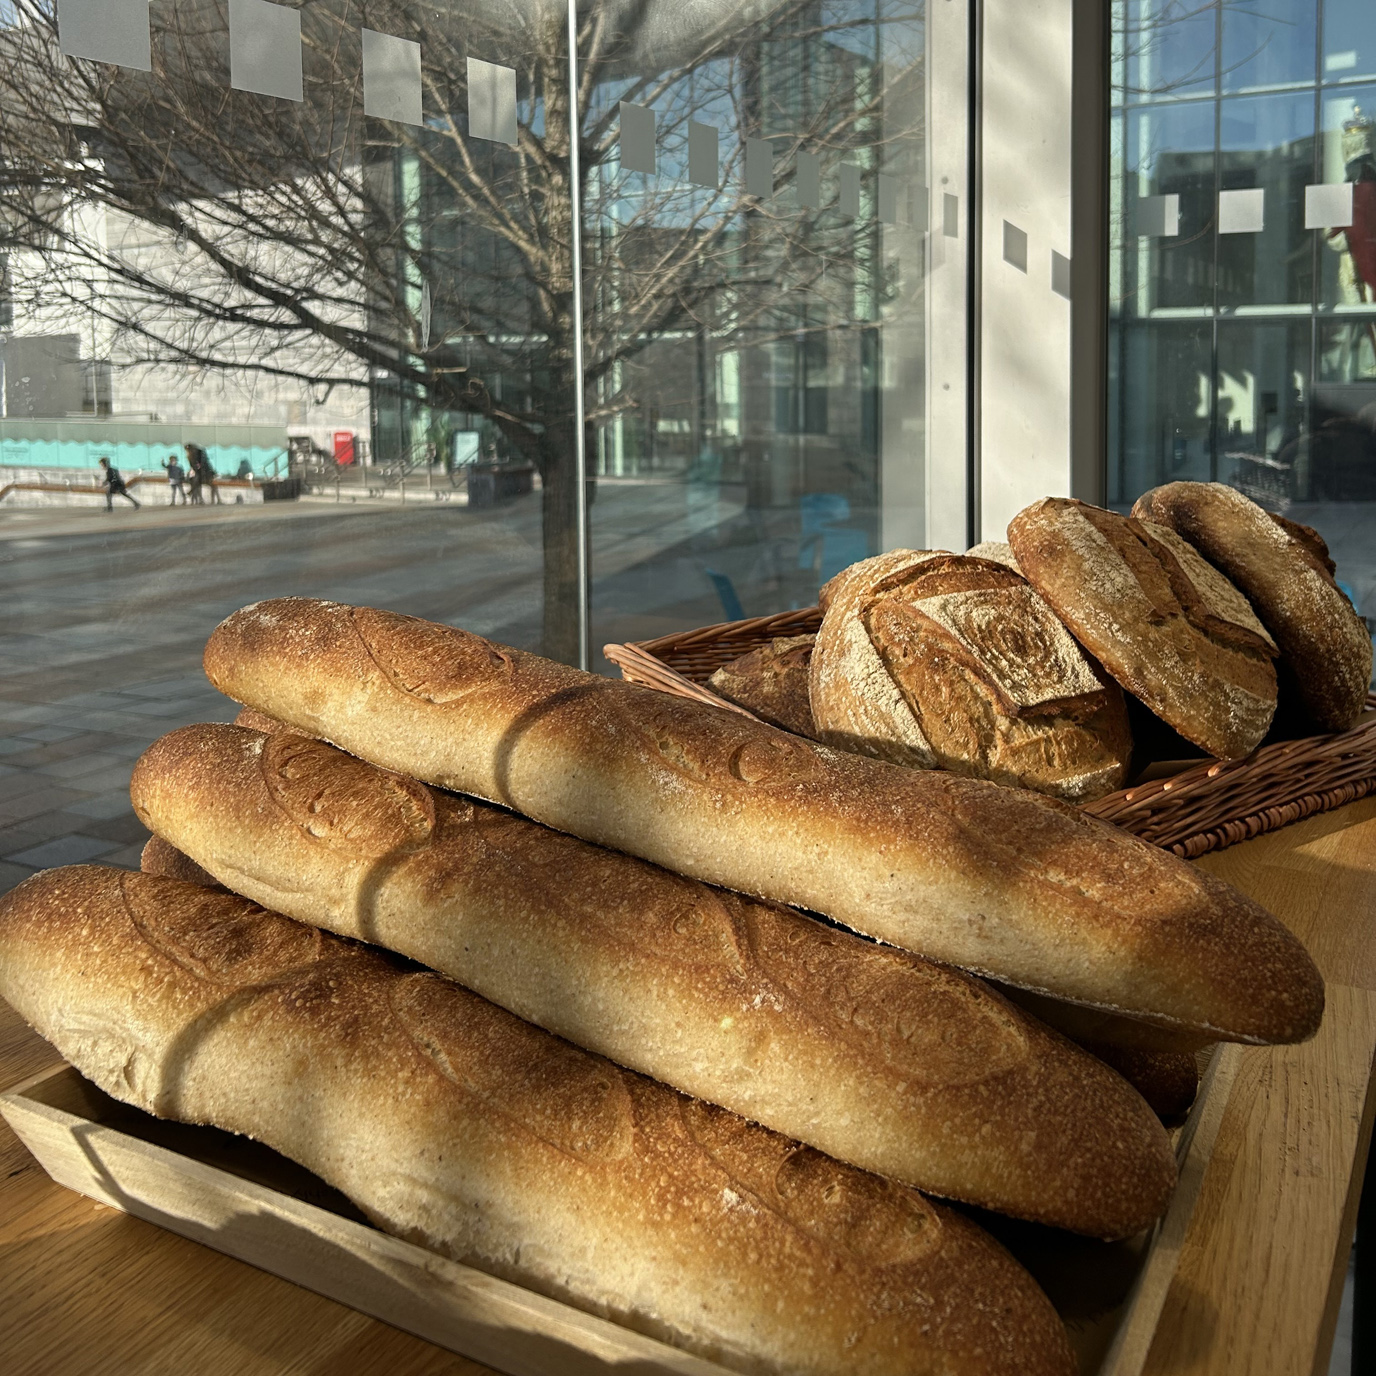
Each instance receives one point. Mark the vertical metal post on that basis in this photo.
(579, 417)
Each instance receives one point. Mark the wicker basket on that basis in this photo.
(1205, 807)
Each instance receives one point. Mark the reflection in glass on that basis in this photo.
(754, 349)
(1166, 47)
(1169, 151)
(1349, 39)
(1268, 44)
(1267, 144)
(1349, 155)
(1165, 421)
(1261, 401)
(1344, 455)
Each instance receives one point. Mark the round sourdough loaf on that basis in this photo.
(457, 1126)
(1283, 567)
(772, 682)
(1166, 624)
(962, 655)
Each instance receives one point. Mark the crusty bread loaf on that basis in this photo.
(1167, 1080)
(1168, 627)
(873, 1055)
(974, 664)
(455, 1125)
(162, 857)
(998, 550)
(997, 880)
(1284, 569)
(856, 705)
(772, 682)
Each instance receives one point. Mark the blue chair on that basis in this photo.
(726, 590)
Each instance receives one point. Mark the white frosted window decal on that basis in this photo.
(848, 202)
(1158, 216)
(759, 168)
(809, 180)
(1060, 274)
(106, 31)
(491, 102)
(1328, 207)
(704, 166)
(888, 199)
(950, 215)
(1014, 246)
(637, 138)
(1242, 212)
(265, 49)
(391, 78)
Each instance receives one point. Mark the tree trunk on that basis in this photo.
(560, 637)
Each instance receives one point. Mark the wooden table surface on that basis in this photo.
(84, 1288)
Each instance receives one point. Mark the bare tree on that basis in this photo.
(310, 242)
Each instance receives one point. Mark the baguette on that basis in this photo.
(453, 1124)
(872, 1055)
(996, 880)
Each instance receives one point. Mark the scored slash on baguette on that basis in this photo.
(996, 880)
(879, 1058)
(453, 1124)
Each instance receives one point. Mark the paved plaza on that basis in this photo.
(104, 618)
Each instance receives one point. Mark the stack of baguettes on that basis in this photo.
(621, 919)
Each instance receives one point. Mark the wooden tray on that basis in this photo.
(239, 1197)
(1200, 807)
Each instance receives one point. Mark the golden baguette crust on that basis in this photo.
(997, 880)
(161, 857)
(1283, 568)
(1163, 623)
(453, 1124)
(873, 1055)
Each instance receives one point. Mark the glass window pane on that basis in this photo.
(1168, 47)
(1343, 466)
(1267, 143)
(1169, 151)
(1164, 419)
(1349, 39)
(1268, 44)
(1348, 256)
(753, 362)
(363, 327)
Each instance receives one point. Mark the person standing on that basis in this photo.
(175, 477)
(114, 486)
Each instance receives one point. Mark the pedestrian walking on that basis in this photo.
(194, 475)
(175, 478)
(114, 486)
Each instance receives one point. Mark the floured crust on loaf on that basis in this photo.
(975, 665)
(1171, 634)
(997, 551)
(453, 1124)
(772, 682)
(856, 705)
(1000, 881)
(1284, 569)
(881, 1059)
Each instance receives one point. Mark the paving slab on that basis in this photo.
(11, 876)
(75, 849)
(103, 806)
(104, 780)
(75, 766)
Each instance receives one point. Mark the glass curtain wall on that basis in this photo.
(754, 217)
(1243, 260)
